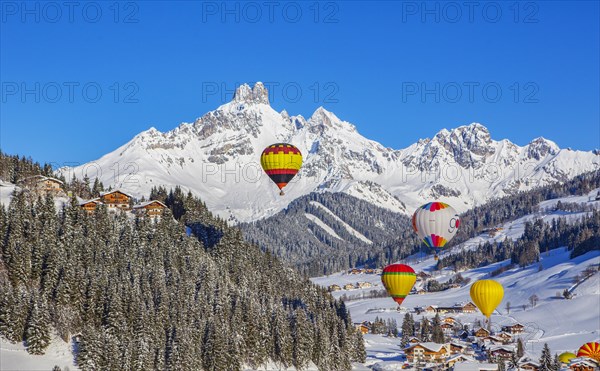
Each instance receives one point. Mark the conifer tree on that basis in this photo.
(37, 331)
(546, 362)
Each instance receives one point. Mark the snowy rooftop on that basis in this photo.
(475, 366)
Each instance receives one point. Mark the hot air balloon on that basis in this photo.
(281, 162)
(566, 357)
(590, 350)
(435, 223)
(487, 295)
(398, 280)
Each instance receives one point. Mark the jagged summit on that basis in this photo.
(256, 95)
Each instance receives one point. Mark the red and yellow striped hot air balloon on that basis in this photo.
(281, 162)
(590, 350)
(398, 280)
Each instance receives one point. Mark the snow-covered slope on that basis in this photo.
(217, 157)
(14, 357)
(563, 324)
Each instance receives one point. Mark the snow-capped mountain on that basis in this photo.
(217, 157)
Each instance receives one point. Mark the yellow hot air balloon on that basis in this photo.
(566, 357)
(487, 295)
(398, 280)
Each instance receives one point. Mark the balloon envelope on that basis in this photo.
(590, 350)
(435, 223)
(566, 357)
(281, 162)
(398, 280)
(487, 295)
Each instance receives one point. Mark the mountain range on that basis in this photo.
(217, 157)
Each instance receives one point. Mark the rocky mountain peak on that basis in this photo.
(256, 95)
(541, 147)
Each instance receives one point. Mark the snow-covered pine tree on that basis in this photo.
(37, 331)
(546, 362)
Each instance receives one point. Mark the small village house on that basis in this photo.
(529, 366)
(583, 364)
(349, 286)
(517, 328)
(334, 287)
(364, 329)
(450, 362)
(41, 185)
(116, 200)
(492, 340)
(90, 205)
(456, 348)
(502, 351)
(505, 336)
(481, 333)
(427, 352)
(447, 328)
(450, 320)
(152, 209)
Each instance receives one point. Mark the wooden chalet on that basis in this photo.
(456, 348)
(491, 339)
(450, 320)
(501, 351)
(42, 185)
(116, 200)
(505, 336)
(529, 366)
(469, 308)
(584, 364)
(90, 205)
(334, 287)
(428, 352)
(517, 328)
(431, 309)
(151, 209)
(481, 333)
(364, 329)
(450, 362)
(349, 286)
(447, 327)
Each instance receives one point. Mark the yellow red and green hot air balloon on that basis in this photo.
(566, 357)
(435, 223)
(398, 280)
(590, 350)
(281, 162)
(487, 295)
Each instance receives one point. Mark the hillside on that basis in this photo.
(563, 324)
(132, 293)
(344, 231)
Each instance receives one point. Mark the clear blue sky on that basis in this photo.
(157, 64)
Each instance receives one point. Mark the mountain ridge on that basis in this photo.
(217, 158)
